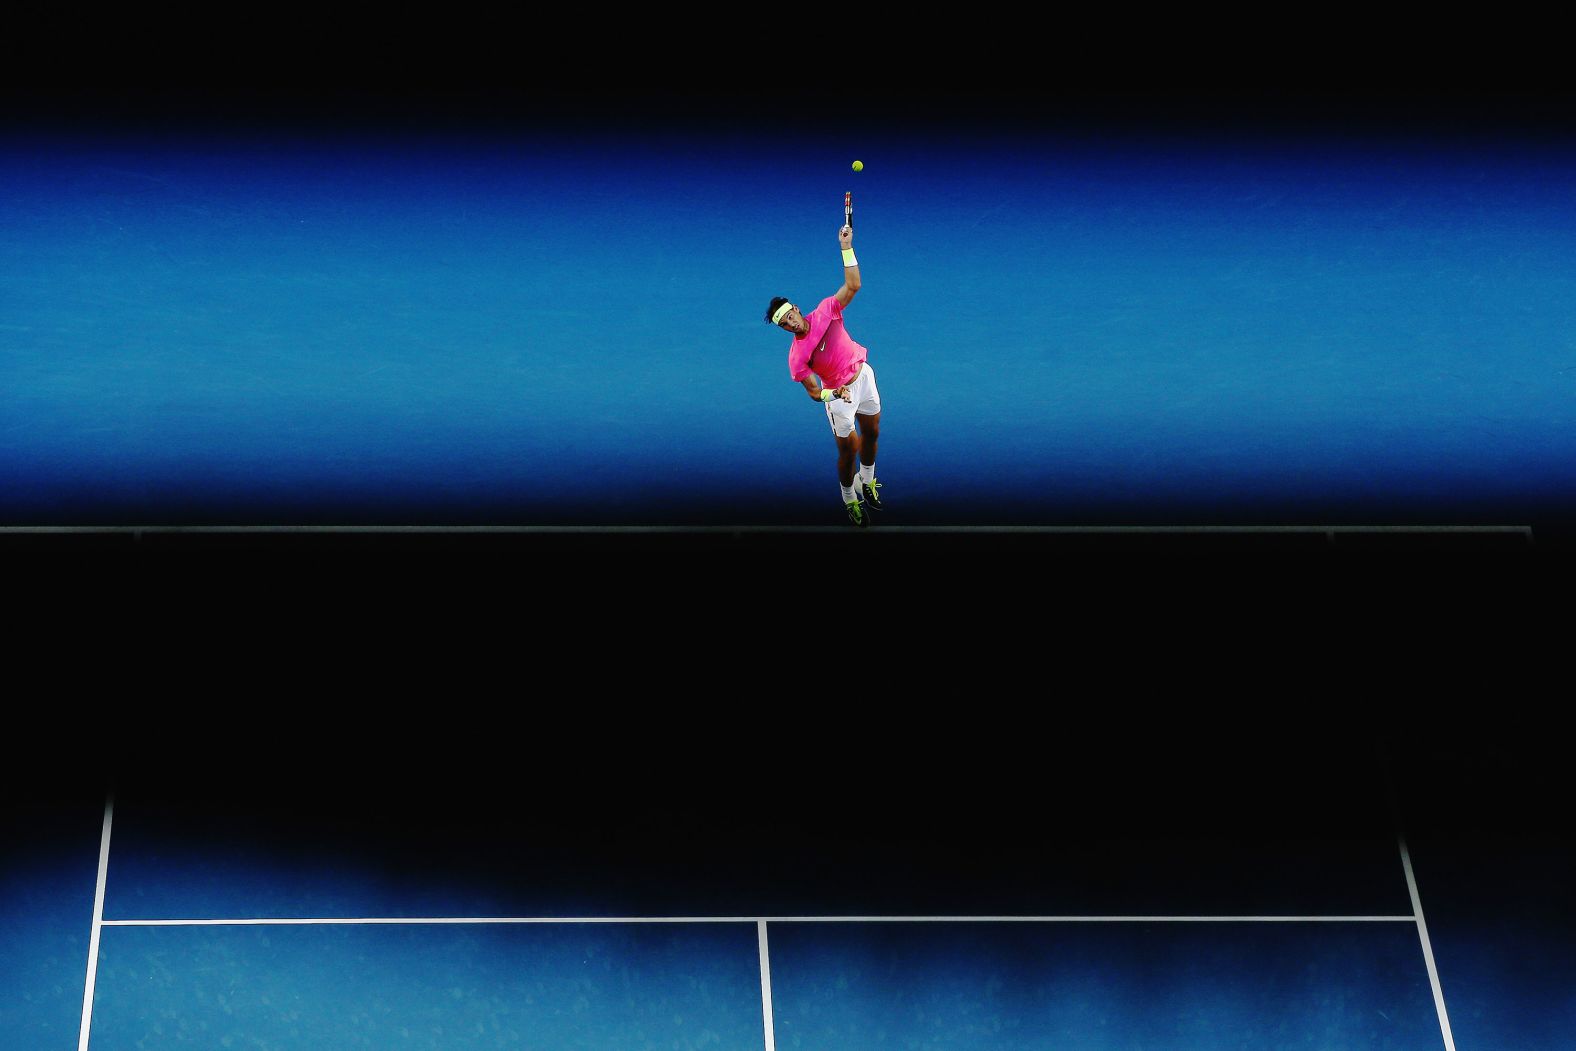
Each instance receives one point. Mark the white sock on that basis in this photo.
(848, 494)
(867, 473)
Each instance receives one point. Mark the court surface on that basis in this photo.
(1144, 900)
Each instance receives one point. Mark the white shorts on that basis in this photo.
(867, 402)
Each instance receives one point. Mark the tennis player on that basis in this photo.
(833, 370)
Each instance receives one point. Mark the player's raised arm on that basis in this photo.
(845, 237)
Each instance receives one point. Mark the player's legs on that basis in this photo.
(847, 460)
(867, 403)
(869, 434)
(840, 415)
(847, 455)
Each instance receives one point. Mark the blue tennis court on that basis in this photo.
(222, 906)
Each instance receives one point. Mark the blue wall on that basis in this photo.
(561, 329)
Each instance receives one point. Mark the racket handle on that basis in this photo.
(848, 209)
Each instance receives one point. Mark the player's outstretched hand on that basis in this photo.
(845, 237)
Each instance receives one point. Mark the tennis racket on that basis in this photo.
(848, 209)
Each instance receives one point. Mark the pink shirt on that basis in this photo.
(828, 351)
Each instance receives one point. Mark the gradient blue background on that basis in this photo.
(561, 329)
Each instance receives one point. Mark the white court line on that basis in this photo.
(1428, 948)
(766, 985)
(758, 920)
(98, 924)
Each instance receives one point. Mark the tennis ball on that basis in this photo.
(859, 166)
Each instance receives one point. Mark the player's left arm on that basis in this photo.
(845, 237)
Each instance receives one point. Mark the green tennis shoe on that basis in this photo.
(856, 513)
(872, 498)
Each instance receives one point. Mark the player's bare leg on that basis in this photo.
(847, 456)
(870, 433)
(847, 459)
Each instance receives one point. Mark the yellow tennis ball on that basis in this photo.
(859, 166)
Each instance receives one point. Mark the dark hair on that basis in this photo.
(777, 301)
